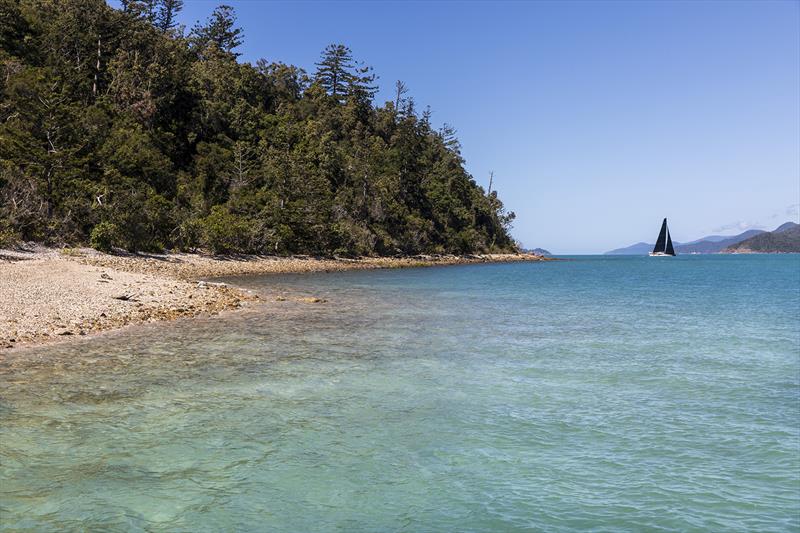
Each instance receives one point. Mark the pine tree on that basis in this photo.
(361, 84)
(333, 70)
(219, 30)
(167, 12)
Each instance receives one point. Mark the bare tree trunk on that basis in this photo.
(96, 70)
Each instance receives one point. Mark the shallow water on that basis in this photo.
(606, 393)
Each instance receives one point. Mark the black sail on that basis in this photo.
(661, 243)
(670, 250)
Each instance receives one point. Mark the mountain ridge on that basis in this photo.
(705, 245)
(784, 239)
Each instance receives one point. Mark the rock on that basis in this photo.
(65, 332)
(280, 299)
(105, 276)
(313, 300)
(202, 284)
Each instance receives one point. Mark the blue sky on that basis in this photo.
(597, 118)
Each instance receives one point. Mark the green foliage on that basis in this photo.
(784, 241)
(219, 31)
(167, 12)
(226, 232)
(117, 130)
(104, 236)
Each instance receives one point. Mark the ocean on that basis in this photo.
(595, 393)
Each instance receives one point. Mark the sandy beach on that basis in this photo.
(49, 295)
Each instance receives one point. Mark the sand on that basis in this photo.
(49, 295)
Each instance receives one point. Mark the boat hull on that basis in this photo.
(660, 254)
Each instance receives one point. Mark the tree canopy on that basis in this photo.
(116, 129)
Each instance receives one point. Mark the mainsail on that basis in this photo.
(661, 243)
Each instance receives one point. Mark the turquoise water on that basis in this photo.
(601, 393)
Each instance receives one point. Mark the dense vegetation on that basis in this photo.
(121, 129)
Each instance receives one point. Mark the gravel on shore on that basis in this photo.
(49, 294)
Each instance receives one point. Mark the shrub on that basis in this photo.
(190, 234)
(104, 236)
(226, 232)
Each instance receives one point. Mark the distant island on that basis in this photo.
(537, 251)
(122, 131)
(785, 239)
(714, 244)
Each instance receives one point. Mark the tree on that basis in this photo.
(145, 9)
(220, 30)
(167, 12)
(115, 130)
(400, 91)
(333, 70)
(361, 84)
(341, 77)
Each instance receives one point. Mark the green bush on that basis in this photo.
(226, 232)
(104, 236)
(190, 234)
(7, 237)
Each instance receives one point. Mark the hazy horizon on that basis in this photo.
(597, 118)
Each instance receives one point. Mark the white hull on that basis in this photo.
(660, 254)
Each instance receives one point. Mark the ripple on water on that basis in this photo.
(595, 394)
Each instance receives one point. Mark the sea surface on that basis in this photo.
(595, 393)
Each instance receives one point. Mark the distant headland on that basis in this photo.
(784, 239)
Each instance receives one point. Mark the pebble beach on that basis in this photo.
(49, 295)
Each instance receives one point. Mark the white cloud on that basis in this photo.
(741, 225)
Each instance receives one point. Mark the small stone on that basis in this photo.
(313, 300)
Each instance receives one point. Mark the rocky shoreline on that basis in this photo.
(49, 295)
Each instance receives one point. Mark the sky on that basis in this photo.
(597, 118)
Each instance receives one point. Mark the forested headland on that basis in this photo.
(120, 129)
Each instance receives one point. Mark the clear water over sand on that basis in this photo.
(609, 393)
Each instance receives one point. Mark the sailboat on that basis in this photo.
(663, 247)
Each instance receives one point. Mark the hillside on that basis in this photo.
(119, 129)
(711, 244)
(715, 244)
(785, 239)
